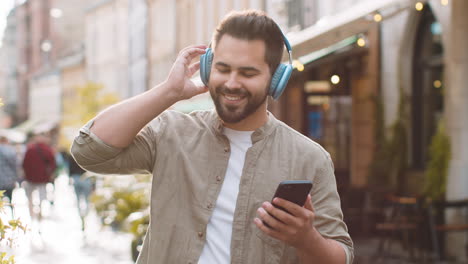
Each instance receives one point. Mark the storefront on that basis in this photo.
(332, 99)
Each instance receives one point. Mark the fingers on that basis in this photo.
(189, 53)
(292, 208)
(272, 215)
(271, 232)
(269, 219)
(193, 68)
(201, 46)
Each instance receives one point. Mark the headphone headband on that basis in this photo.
(287, 44)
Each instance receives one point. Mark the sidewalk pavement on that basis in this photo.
(366, 252)
(59, 239)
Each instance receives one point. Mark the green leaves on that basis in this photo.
(4, 259)
(8, 232)
(437, 169)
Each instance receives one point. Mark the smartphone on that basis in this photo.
(293, 191)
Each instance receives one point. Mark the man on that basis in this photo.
(8, 168)
(214, 172)
(39, 166)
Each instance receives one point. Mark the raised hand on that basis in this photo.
(178, 82)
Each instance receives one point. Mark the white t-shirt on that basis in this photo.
(217, 248)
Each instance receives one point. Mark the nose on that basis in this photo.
(233, 81)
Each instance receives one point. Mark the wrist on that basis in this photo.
(167, 92)
(312, 237)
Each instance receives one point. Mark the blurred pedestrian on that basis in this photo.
(215, 172)
(39, 166)
(82, 184)
(8, 168)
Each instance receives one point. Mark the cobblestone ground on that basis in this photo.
(59, 238)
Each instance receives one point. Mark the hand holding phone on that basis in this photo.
(295, 191)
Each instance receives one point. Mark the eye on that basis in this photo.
(248, 74)
(223, 69)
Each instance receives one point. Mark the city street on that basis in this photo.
(59, 239)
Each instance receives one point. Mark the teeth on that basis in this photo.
(232, 98)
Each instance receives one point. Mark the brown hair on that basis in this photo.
(254, 25)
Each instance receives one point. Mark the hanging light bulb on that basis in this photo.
(419, 6)
(335, 79)
(444, 2)
(361, 42)
(377, 17)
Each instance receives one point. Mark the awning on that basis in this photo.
(13, 135)
(37, 125)
(313, 56)
(350, 22)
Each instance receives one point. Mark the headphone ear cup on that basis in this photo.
(280, 80)
(205, 66)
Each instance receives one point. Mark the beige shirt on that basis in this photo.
(188, 157)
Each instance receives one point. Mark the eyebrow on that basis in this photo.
(245, 68)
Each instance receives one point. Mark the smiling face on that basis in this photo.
(239, 82)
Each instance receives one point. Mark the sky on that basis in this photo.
(5, 7)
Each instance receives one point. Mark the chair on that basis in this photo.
(403, 223)
(439, 227)
(361, 209)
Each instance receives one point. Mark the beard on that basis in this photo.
(235, 113)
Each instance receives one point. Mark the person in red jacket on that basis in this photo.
(39, 166)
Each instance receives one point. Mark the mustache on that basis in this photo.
(236, 91)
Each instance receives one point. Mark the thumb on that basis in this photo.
(308, 204)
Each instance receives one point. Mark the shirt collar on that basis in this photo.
(259, 133)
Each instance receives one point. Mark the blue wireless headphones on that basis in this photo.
(278, 81)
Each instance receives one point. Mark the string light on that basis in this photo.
(437, 84)
(335, 79)
(419, 6)
(361, 42)
(56, 13)
(377, 17)
(444, 2)
(298, 65)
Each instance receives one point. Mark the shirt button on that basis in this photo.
(226, 149)
(218, 178)
(209, 206)
(200, 234)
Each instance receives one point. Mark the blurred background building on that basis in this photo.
(366, 72)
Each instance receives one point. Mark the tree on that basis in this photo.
(80, 106)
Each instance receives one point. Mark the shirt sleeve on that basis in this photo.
(329, 217)
(94, 155)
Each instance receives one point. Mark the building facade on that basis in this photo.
(107, 45)
(406, 53)
(9, 61)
